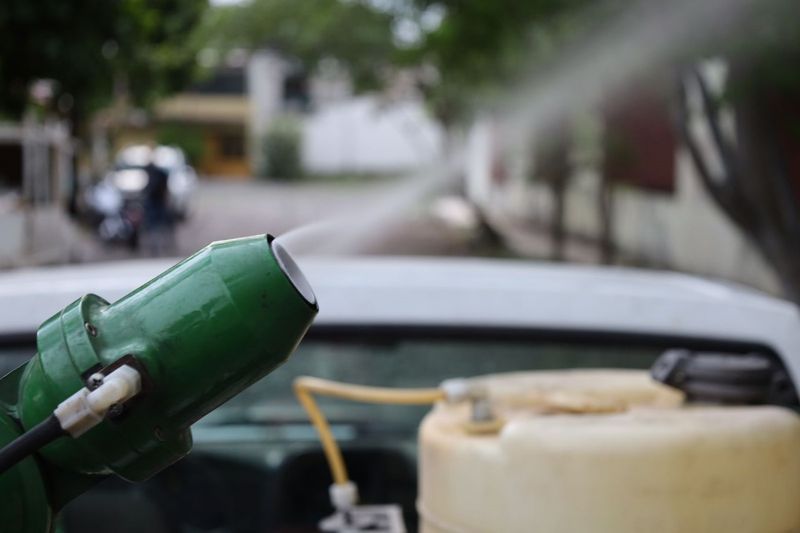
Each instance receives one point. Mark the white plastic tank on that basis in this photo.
(607, 451)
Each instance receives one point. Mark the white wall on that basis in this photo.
(683, 231)
(344, 134)
(265, 73)
(364, 135)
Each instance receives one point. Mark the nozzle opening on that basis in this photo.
(293, 272)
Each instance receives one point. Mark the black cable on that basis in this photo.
(30, 442)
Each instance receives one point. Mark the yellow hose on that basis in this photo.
(305, 387)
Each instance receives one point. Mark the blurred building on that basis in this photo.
(36, 165)
(224, 120)
(215, 114)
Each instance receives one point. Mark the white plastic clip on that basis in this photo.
(85, 409)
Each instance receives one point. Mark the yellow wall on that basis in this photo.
(216, 163)
(233, 110)
(218, 117)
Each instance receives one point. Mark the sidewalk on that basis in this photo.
(531, 240)
(44, 235)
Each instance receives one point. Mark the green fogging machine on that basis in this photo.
(114, 388)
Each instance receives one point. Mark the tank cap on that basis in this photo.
(725, 378)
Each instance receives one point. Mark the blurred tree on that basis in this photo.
(477, 50)
(552, 165)
(350, 32)
(154, 53)
(185, 137)
(281, 146)
(462, 47)
(477, 47)
(92, 48)
(752, 168)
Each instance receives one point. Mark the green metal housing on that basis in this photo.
(24, 505)
(200, 333)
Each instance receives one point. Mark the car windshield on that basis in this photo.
(411, 363)
(393, 361)
(260, 443)
(271, 404)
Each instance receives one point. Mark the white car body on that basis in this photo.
(466, 293)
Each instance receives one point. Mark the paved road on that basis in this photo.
(223, 210)
(227, 210)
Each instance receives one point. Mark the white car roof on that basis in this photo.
(467, 293)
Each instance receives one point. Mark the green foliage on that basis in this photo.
(281, 150)
(769, 48)
(479, 40)
(312, 30)
(478, 46)
(482, 46)
(187, 138)
(92, 47)
(154, 53)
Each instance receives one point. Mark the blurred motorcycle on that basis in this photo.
(119, 214)
(116, 203)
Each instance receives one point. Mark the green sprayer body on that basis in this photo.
(198, 334)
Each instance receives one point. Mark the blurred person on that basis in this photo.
(159, 224)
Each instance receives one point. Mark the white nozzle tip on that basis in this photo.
(294, 273)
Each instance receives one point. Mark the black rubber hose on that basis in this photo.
(30, 442)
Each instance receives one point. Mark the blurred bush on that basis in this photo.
(281, 150)
(188, 139)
